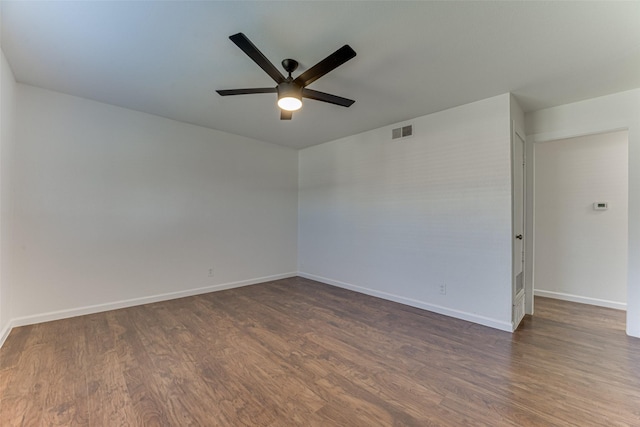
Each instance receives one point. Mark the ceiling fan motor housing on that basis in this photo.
(289, 95)
(289, 89)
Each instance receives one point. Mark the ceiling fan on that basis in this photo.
(291, 91)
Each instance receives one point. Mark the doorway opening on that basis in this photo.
(580, 225)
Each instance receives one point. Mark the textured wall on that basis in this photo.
(115, 205)
(399, 218)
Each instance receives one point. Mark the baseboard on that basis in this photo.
(91, 309)
(5, 332)
(633, 330)
(580, 299)
(485, 321)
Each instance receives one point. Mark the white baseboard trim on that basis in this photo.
(580, 299)
(5, 332)
(485, 321)
(91, 309)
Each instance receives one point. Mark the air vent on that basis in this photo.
(403, 132)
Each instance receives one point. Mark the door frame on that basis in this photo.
(518, 308)
(530, 144)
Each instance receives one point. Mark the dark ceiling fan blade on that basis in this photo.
(252, 51)
(227, 92)
(286, 115)
(329, 63)
(326, 97)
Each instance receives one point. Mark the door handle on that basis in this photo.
(519, 237)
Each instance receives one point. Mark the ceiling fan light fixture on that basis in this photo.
(289, 103)
(289, 96)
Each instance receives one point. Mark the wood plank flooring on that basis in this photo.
(300, 353)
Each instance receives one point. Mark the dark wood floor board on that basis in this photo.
(501, 401)
(518, 385)
(296, 352)
(391, 384)
(22, 401)
(275, 342)
(14, 347)
(597, 319)
(254, 361)
(475, 411)
(265, 358)
(583, 374)
(228, 401)
(350, 331)
(66, 399)
(352, 362)
(391, 332)
(108, 399)
(349, 404)
(329, 328)
(608, 358)
(147, 400)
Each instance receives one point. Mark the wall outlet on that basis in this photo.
(443, 289)
(211, 272)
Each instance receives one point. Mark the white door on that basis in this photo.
(518, 226)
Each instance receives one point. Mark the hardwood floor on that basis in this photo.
(297, 352)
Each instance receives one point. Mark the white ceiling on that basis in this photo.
(413, 58)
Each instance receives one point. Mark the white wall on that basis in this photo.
(581, 253)
(607, 113)
(7, 109)
(517, 115)
(397, 219)
(116, 207)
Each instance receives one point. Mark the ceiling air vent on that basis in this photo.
(403, 132)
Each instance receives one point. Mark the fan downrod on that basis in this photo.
(289, 65)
